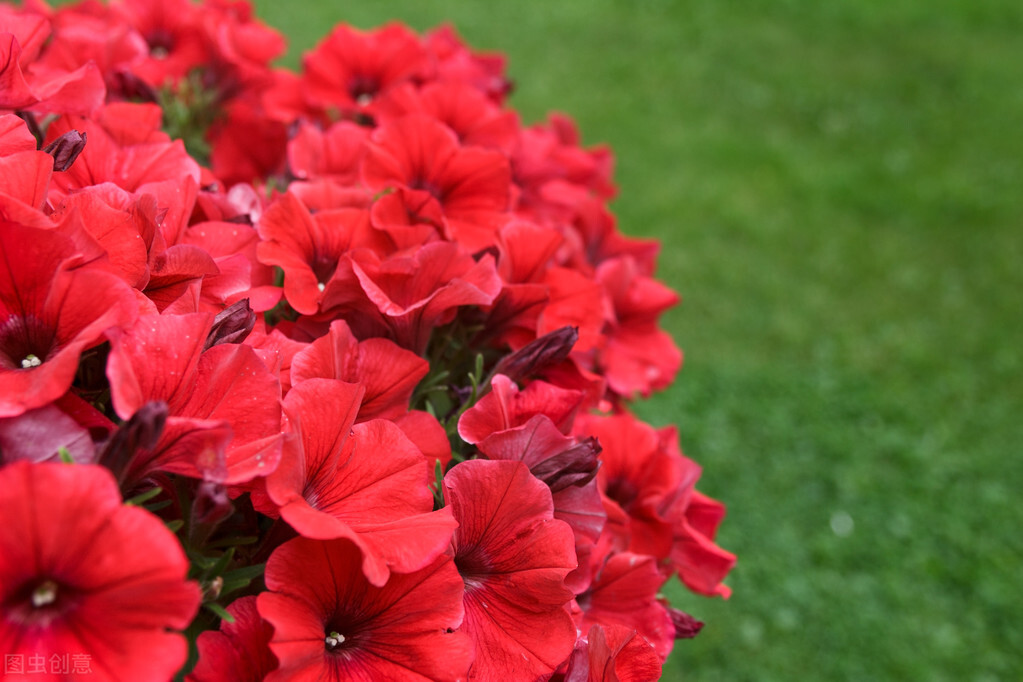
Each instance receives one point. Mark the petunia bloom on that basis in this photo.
(49, 314)
(405, 297)
(239, 651)
(513, 556)
(364, 482)
(613, 653)
(652, 506)
(221, 395)
(81, 573)
(331, 624)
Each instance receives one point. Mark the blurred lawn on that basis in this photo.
(839, 188)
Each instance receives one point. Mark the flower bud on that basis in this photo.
(211, 504)
(575, 466)
(141, 432)
(65, 149)
(538, 355)
(686, 627)
(231, 325)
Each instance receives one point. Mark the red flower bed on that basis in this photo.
(321, 375)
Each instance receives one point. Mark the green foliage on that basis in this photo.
(189, 109)
(837, 185)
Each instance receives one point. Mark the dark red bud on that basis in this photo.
(538, 355)
(575, 466)
(65, 149)
(212, 504)
(686, 627)
(139, 433)
(231, 325)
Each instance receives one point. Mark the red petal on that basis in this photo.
(624, 592)
(239, 651)
(123, 571)
(505, 407)
(395, 631)
(513, 556)
(156, 360)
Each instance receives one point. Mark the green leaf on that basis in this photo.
(142, 498)
(437, 487)
(220, 564)
(219, 610)
(241, 577)
(233, 542)
(245, 572)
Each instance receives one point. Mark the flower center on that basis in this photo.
(622, 491)
(25, 342)
(45, 594)
(334, 640)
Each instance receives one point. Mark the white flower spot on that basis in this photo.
(44, 594)
(31, 361)
(334, 640)
(321, 286)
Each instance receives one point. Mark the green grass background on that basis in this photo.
(839, 189)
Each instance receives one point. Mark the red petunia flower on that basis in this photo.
(224, 404)
(137, 160)
(575, 300)
(551, 154)
(239, 651)
(80, 573)
(456, 62)
(410, 218)
(639, 357)
(613, 653)
(309, 248)
(26, 84)
(526, 251)
(122, 224)
(475, 118)
(350, 68)
(331, 624)
(648, 489)
(567, 466)
(624, 592)
(49, 314)
(405, 297)
(364, 482)
(387, 372)
(334, 153)
(506, 407)
(471, 184)
(239, 275)
(247, 145)
(513, 556)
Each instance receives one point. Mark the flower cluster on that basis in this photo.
(322, 375)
